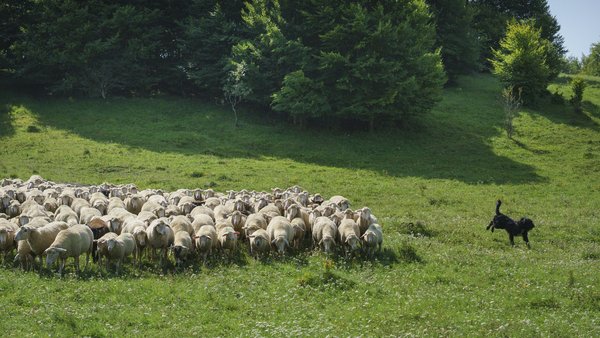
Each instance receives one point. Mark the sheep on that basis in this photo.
(201, 220)
(158, 199)
(371, 238)
(134, 204)
(101, 247)
(281, 233)
(296, 211)
(50, 204)
(259, 242)
(7, 237)
(66, 214)
(253, 223)
(160, 236)
(212, 202)
(222, 212)
(100, 202)
(114, 202)
(87, 213)
(157, 209)
(24, 255)
(66, 197)
(349, 233)
(182, 246)
(324, 233)
(117, 248)
(206, 240)
(186, 205)
(172, 210)
(137, 228)
(79, 203)
(182, 223)
(201, 209)
(40, 238)
(342, 202)
(238, 220)
(71, 242)
(13, 209)
(146, 217)
(365, 219)
(228, 238)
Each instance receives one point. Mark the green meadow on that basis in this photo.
(433, 186)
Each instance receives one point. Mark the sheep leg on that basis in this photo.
(87, 260)
(63, 261)
(77, 264)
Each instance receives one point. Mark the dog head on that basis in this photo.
(526, 224)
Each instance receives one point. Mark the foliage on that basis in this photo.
(512, 102)
(460, 157)
(97, 49)
(571, 65)
(301, 97)
(521, 60)
(455, 36)
(492, 16)
(206, 43)
(591, 62)
(577, 86)
(236, 88)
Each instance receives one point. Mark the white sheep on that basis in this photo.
(201, 209)
(186, 205)
(64, 213)
(324, 233)
(71, 242)
(87, 213)
(365, 219)
(182, 223)
(373, 237)
(134, 204)
(349, 234)
(146, 217)
(201, 220)
(228, 238)
(40, 238)
(238, 220)
(182, 247)
(102, 247)
(206, 240)
(281, 233)
(212, 202)
(299, 231)
(100, 202)
(254, 222)
(160, 236)
(157, 209)
(7, 237)
(24, 255)
(137, 228)
(114, 202)
(118, 248)
(259, 242)
(13, 209)
(79, 203)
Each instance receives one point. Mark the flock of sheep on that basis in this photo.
(108, 222)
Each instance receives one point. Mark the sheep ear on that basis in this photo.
(9, 230)
(195, 237)
(96, 241)
(251, 236)
(61, 250)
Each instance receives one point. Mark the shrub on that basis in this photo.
(512, 102)
(578, 86)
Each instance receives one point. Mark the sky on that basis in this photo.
(579, 22)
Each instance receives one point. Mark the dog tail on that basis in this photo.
(498, 204)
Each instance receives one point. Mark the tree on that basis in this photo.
(455, 36)
(208, 35)
(236, 89)
(591, 62)
(301, 97)
(521, 60)
(492, 16)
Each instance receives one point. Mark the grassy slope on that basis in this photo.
(445, 175)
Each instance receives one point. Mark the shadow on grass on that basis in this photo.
(449, 143)
(6, 126)
(591, 108)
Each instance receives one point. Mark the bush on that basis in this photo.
(578, 86)
(521, 60)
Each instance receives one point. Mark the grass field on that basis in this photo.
(443, 275)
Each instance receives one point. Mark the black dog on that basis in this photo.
(520, 228)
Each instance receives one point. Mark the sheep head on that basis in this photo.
(52, 254)
(280, 243)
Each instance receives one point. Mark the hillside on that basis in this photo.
(433, 186)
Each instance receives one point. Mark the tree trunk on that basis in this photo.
(235, 115)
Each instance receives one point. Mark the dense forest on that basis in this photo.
(373, 61)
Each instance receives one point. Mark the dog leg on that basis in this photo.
(511, 238)
(526, 239)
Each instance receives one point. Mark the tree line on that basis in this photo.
(376, 61)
